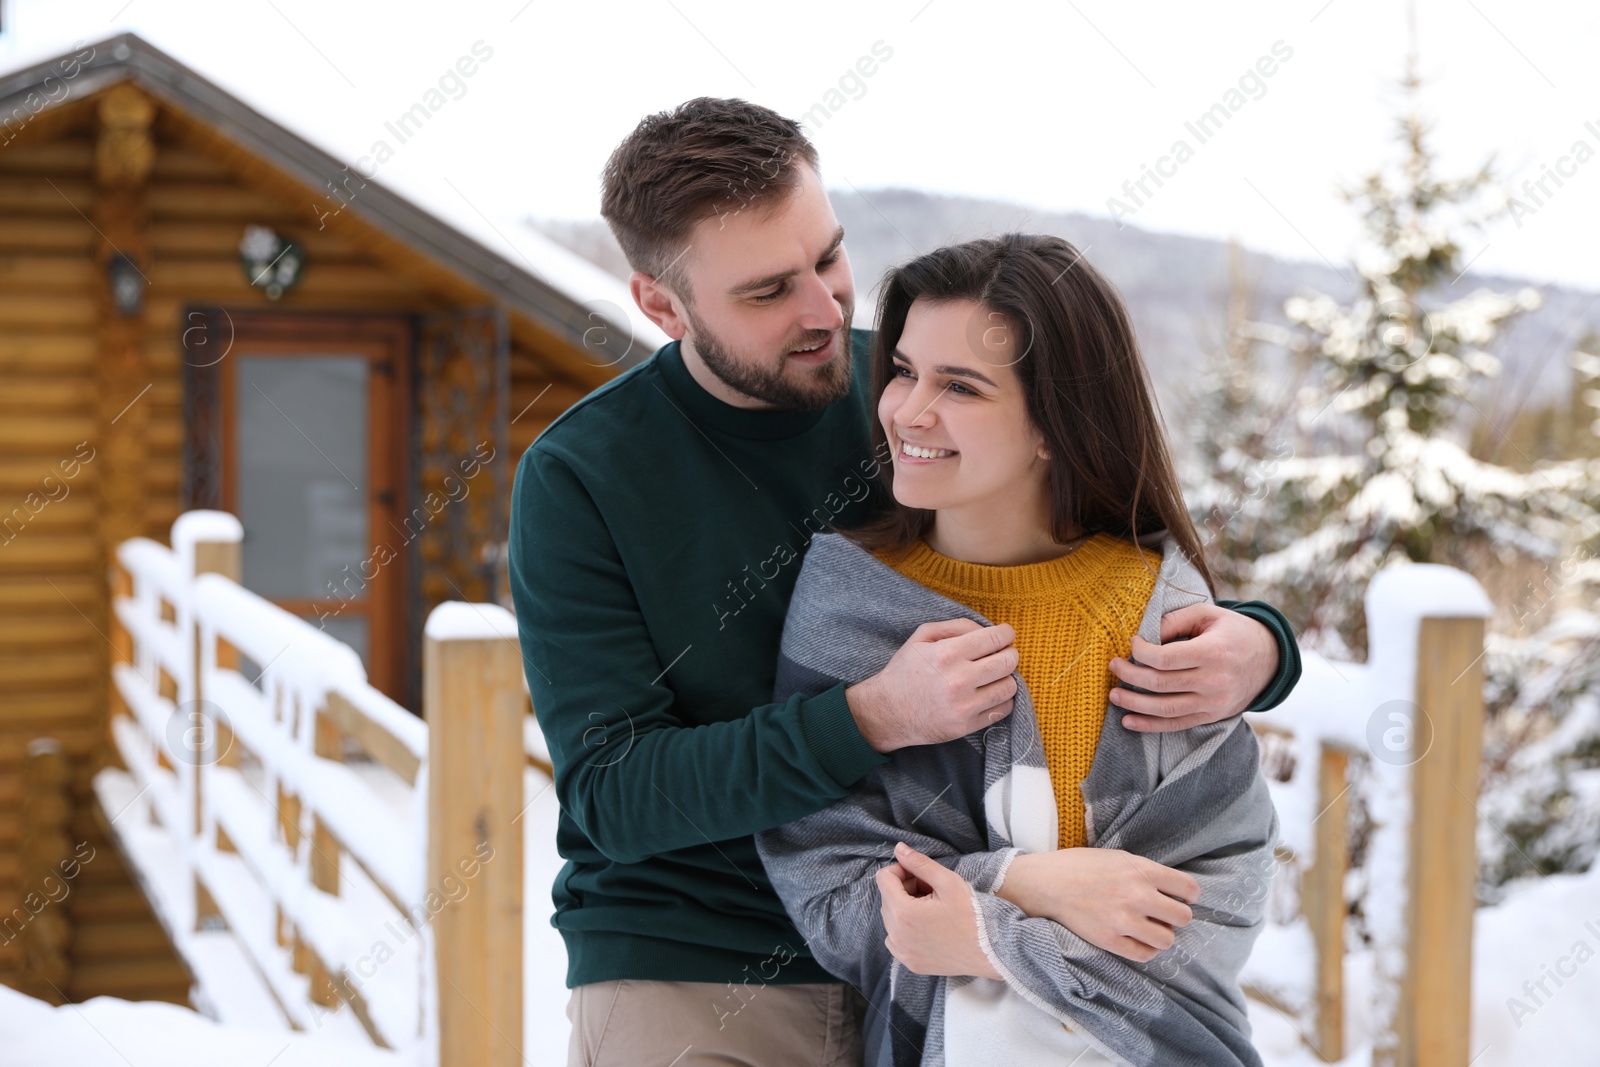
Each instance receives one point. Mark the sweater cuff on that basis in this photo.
(1288, 675)
(831, 733)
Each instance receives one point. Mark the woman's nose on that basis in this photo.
(918, 407)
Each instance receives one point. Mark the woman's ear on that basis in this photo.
(1041, 441)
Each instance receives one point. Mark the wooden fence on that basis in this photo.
(311, 846)
(1403, 732)
(365, 867)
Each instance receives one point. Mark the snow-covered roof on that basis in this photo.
(554, 286)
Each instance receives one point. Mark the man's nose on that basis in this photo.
(821, 311)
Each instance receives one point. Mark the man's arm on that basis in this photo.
(629, 771)
(1237, 657)
(1288, 666)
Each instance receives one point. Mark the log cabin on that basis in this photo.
(199, 308)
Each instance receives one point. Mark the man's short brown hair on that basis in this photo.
(706, 158)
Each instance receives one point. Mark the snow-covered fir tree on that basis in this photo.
(1235, 420)
(1541, 789)
(1365, 464)
(1382, 475)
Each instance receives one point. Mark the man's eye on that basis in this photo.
(767, 298)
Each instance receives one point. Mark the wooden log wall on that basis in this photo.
(51, 601)
(91, 430)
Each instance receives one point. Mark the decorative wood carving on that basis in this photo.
(124, 152)
(206, 334)
(460, 497)
(123, 157)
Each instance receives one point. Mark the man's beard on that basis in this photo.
(766, 381)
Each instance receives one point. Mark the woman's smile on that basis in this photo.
(916, 455)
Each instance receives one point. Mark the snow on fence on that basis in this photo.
(1404, 729)
(309, 844)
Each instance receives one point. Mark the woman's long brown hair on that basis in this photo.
(1086, 387)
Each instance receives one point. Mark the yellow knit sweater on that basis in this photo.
(1072, 614)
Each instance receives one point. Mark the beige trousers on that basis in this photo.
(631, 1023)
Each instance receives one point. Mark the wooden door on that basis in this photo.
(313, 440)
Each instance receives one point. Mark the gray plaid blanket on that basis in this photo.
(1194, 800)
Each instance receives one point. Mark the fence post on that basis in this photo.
(1426, 628)
(1322, 901)
(472, 700)
(328, 744)
(209, 543)
(1436, 998)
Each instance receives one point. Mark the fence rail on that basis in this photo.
(288, 819)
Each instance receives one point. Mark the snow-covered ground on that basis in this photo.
(1547, 932)
(148, 1033)
(119, 1033)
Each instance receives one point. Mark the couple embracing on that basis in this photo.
(892, 717)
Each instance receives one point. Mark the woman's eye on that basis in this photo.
(957, 387)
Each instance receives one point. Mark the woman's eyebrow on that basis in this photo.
(758, 284)
(950, 369)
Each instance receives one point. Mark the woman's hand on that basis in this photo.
(1125, 904)
(929, 917)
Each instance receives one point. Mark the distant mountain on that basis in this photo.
(1176, 287)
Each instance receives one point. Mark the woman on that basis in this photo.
(1062, 889)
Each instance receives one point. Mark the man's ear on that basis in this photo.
(659, 304)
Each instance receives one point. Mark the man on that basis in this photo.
(657, 529)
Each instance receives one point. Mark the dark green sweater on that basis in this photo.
(656, 534)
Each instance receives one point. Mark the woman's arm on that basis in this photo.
(1124, 904)
(1114, 900)
(929, 920)
(825, 867)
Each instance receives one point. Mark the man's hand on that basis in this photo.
(1228, 659)
(928, 915)
(949, 679)
(1125, 904)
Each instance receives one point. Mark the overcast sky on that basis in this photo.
(1049, 104)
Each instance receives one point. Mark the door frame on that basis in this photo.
(387, 341)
